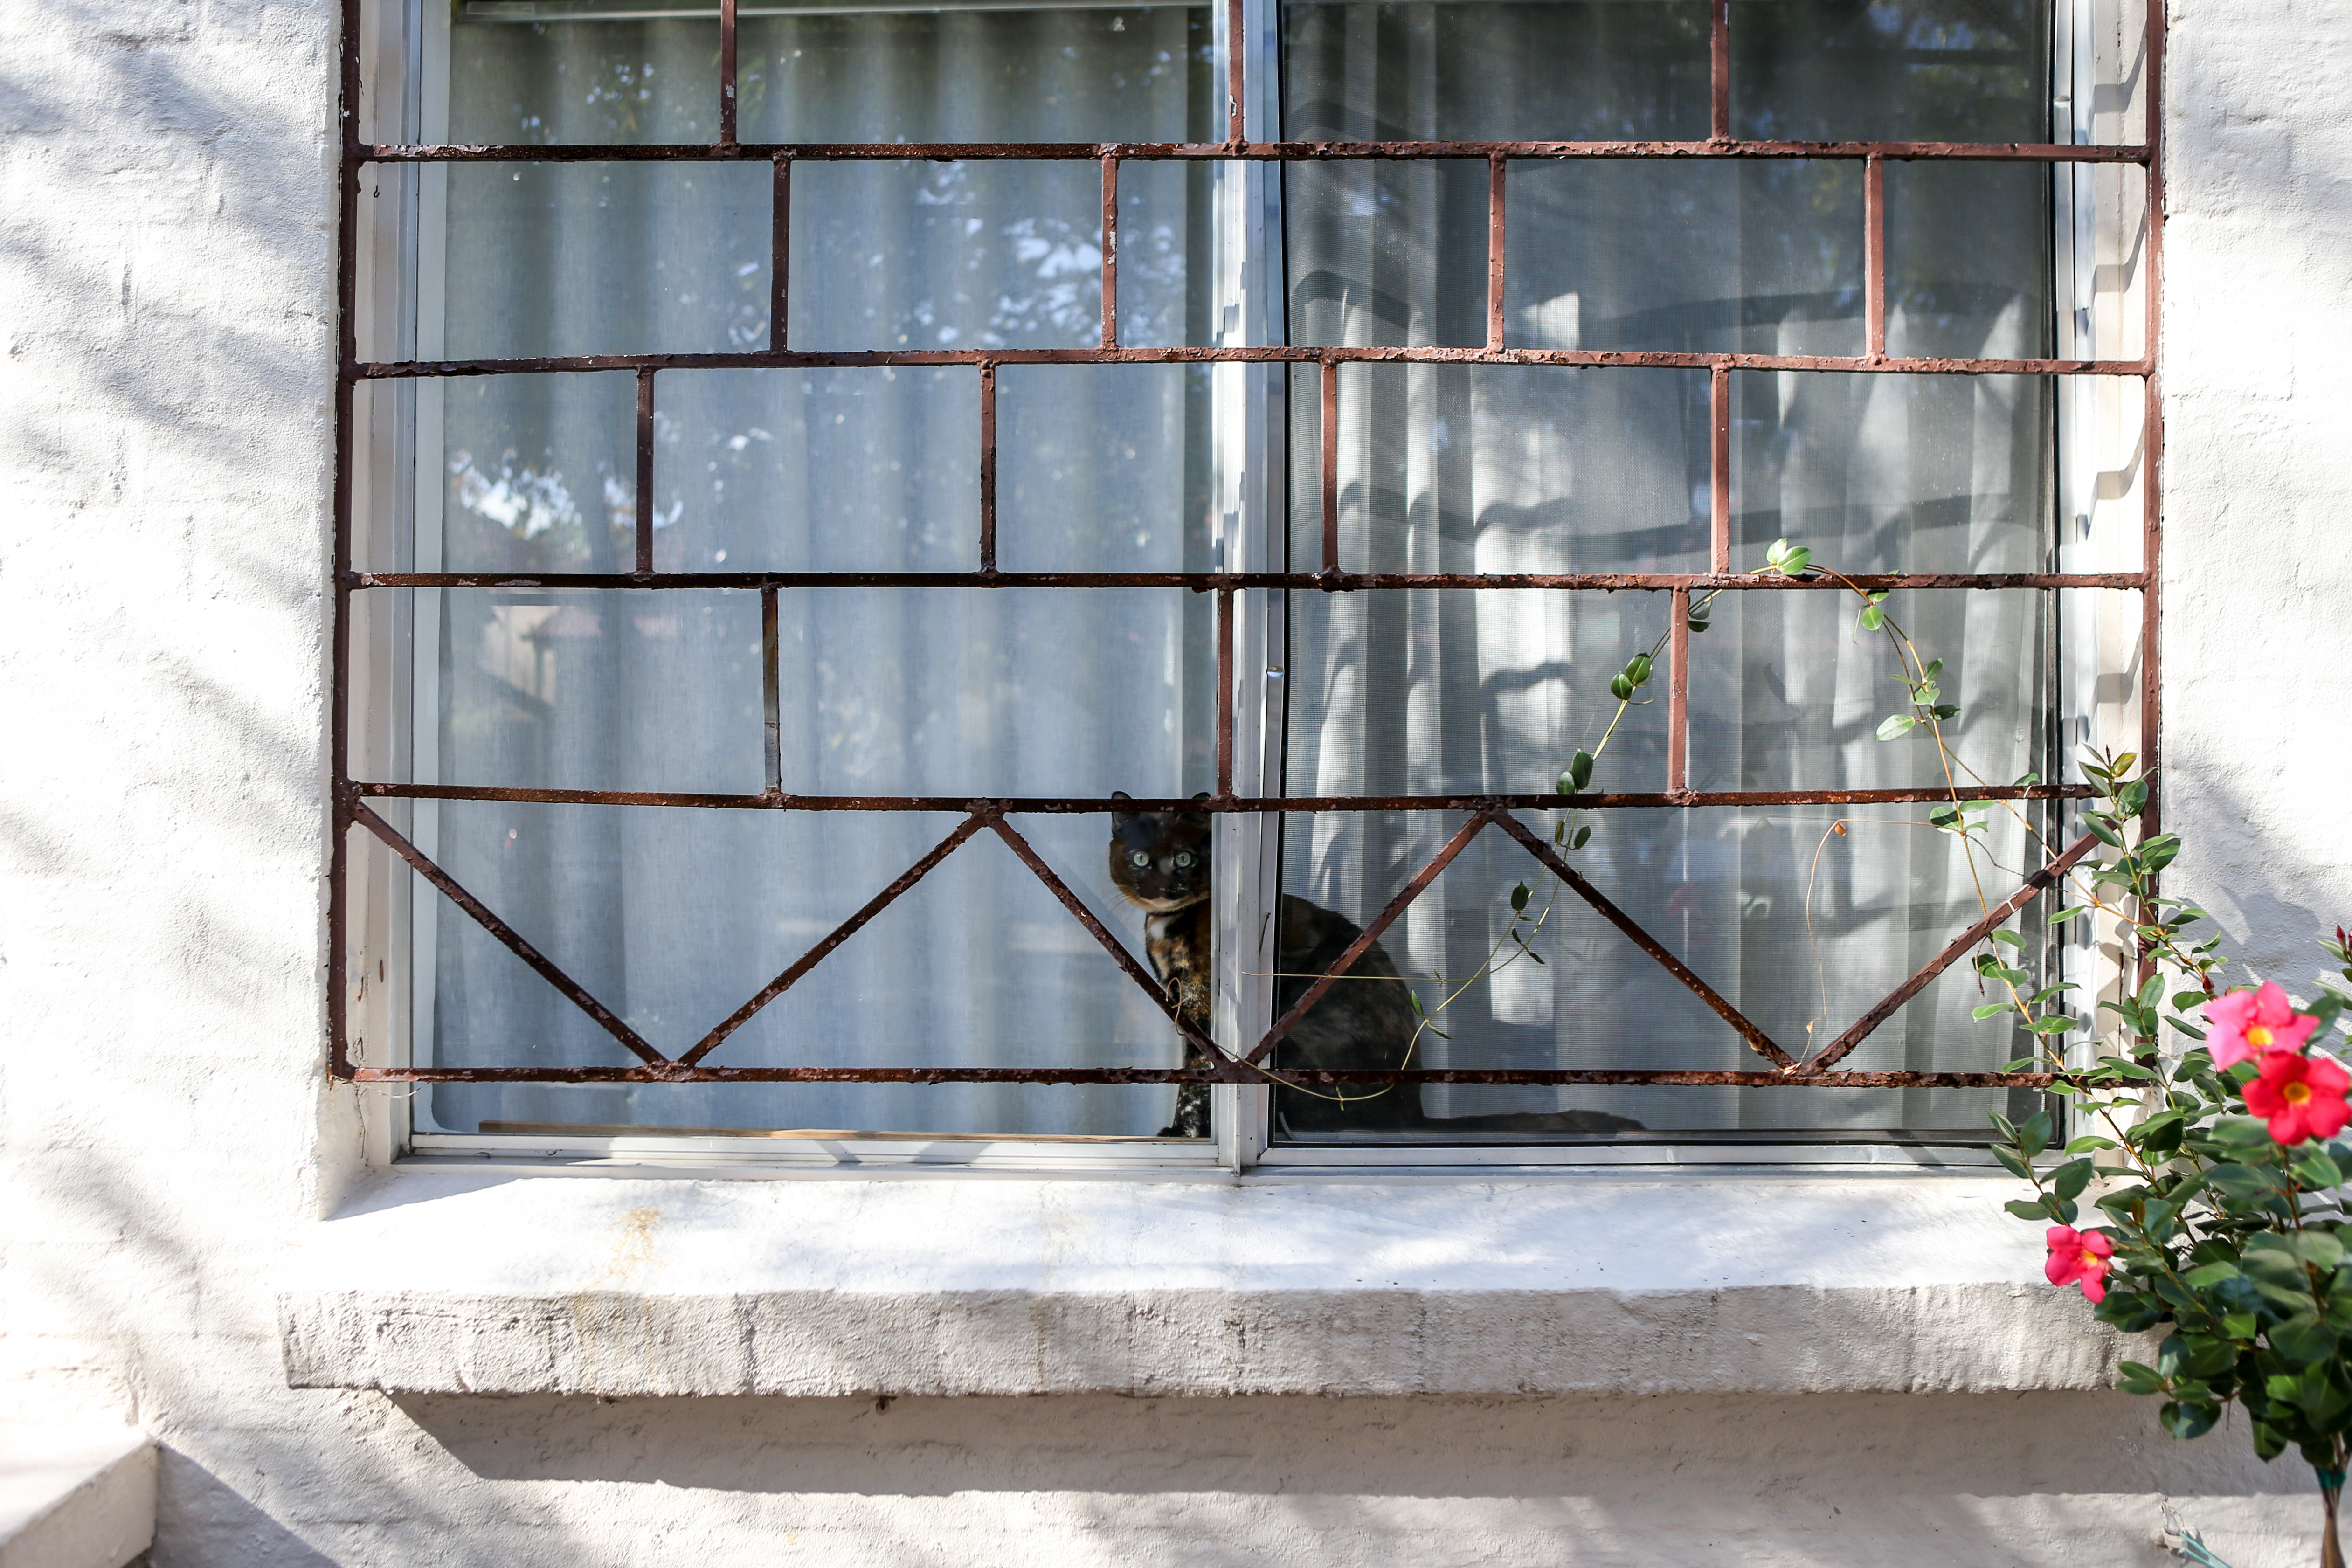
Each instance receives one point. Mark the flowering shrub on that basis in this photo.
(2204, 1117)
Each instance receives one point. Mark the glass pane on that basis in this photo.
(814, 469)
(1103, 468)
(1968, 265)
(737, 898)
(946, 256)
(605, 259)
(1785, 694)
(582, 690)
(1496, 469)
(1557, 985)
(956, 73)
(964, 692)
(1384, 253)
(1891, 71)
(1522, 70)
(530, 73)
(539, 473)
(1891, 473)
(1726, 256)
(1466, 691)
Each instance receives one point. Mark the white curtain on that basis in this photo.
(675, 917)
(1445, 468)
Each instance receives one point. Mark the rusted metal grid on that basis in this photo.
(1232, 1063)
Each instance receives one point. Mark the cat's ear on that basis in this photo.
(1200, 794)
(1120, 794)
(1119, 819)
(1201, 816)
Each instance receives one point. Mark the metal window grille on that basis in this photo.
(1241, 1061)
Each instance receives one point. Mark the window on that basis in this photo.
(802, 462)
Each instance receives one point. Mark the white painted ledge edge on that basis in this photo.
(1577, 1283)
(74, 1497)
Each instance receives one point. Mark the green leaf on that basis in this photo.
(2034, 1135)
(2186, 1421)
(2011, 938)
(2304, 1339)
(1897, 725)
(2011, 1164)
(1582, 835)
(2023, 1210)
(2088, 1142)
(2314, 1169)
(2069, 1180)
(1944, 710)
(1796, 560)
(2320, 1249)
(2029, 1064)
(1873, 618)
(2132, 1377)
(1695, 623)
(1990, 1009)
(1622, 689)
(1519, 896)
(2210, 1274)
(1580, 769)
(1637, 669)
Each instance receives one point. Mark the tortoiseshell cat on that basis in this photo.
(1160, 862)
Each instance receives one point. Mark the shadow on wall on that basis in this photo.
(1973, 1479)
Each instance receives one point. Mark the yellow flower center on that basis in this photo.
(2259, 1036)
(2091, 1260)
(2295, 1093)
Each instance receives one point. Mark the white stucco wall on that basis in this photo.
(167, 1142)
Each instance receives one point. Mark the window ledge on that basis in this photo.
(1380, 1284)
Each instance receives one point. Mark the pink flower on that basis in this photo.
(2246, 1024)
(2079, 1257)
(2301, 1096)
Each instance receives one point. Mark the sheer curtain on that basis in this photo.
(675, 917)
(1522, 469)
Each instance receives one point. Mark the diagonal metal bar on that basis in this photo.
(1983, 928)
(1756, 1039)
(1371, 933)
(840, 934)
(1111, 944)
(572, 990)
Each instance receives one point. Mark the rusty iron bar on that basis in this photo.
(1262, 804)
(1892, 1001)
(645, 472)
(1747, 1028)
(1496, 236)
(1371, 933)
(1719, 470)
(2151, 693)
(1204, 581)
(1110, 252)
(341, 800)
(1873, 256)
(987, 472)
(1678, 693)
(1329, 427)
(780, 255)
(513, 940)
(772, 694)
(1566, 1076)
(1237, 151)
(1117, 950)
(1244, 354)
(726, 75)
(835, 938)
(1718, 72)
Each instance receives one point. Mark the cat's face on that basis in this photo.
(1159, 860)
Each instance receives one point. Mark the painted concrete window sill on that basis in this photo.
(454, 1282)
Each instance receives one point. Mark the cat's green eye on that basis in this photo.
(1140, 858)
(1183, 858)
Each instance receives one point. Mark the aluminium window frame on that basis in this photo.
(1249, 376)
